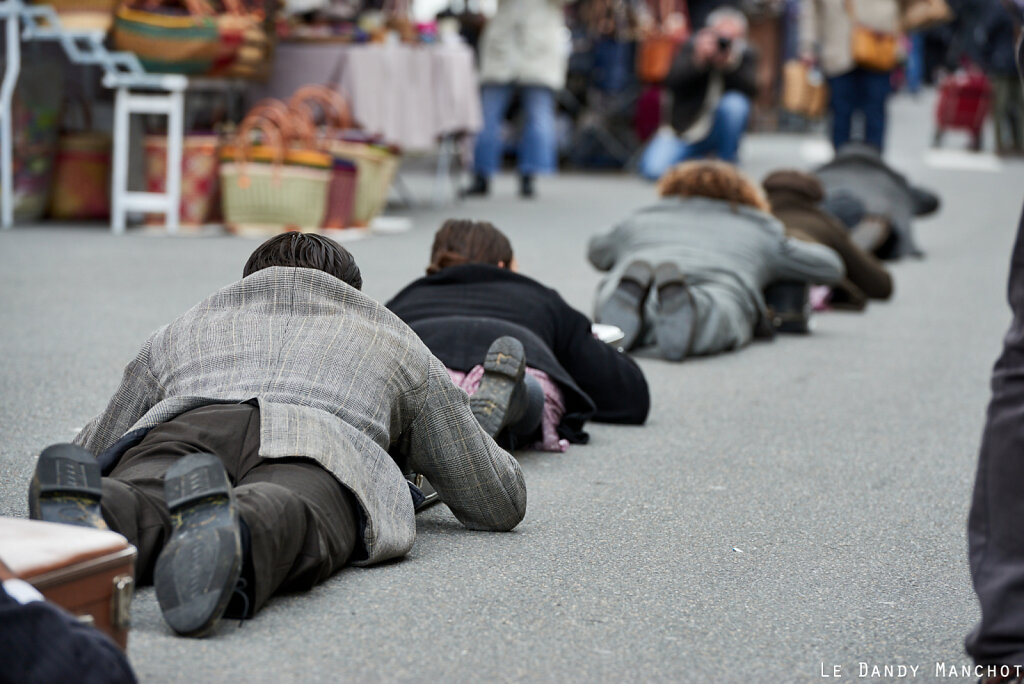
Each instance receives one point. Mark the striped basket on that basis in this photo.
(166, 41)
(269, 188)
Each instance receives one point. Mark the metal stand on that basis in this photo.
(123, 72)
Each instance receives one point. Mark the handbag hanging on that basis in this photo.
(804, 91)
(658, 46)
(871, 49)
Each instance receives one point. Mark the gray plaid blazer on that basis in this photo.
(338, 379)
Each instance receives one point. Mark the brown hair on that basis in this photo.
(713, 179)
(305, 250)
(461, 241)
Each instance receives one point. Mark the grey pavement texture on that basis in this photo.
(799, 504)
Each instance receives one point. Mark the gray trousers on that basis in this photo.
(302, 523)
(721, 322)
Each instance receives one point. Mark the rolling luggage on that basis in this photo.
(89, 573)
(964, 100)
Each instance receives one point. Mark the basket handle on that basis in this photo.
(294, 126)
(332, 104)
(272, 138)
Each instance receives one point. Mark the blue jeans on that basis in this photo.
(667, 149)
(915, 62)
(537, 144)
(861, 90)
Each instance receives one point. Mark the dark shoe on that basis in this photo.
(423, 493)
(481, 187)
(790, 304)
(526, 186)
(925, 201)
(675, 314)
(67, 487)
(200, 564)
(624, 309)
(501, 397)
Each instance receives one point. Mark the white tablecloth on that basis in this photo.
(411, 95)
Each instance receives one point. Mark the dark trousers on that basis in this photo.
(859, 90)
(302, 523)
(995, 528)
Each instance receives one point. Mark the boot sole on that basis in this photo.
(504, 367)
(625, 309)
(198, 568)
(66, 487)
(675, 318)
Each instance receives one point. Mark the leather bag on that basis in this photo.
(656, 49)
(874, 50)
(89, 573)
(804, 91)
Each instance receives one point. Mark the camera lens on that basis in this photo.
(724, 43)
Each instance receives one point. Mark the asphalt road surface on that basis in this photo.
(788, 509)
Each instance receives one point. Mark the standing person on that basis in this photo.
(995, 34)
(712, 82)
(473, 294)
(995, 545)
(688, 273)
(826, 30)
(523, 48)
(257, 442)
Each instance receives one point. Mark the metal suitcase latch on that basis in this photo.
(121, 606)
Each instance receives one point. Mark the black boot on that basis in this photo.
(526, 186)
(501, 398)
(481, 187)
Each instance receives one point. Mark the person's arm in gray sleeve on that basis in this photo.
(814, 263)
(478, 480)
(138, 392)
(603, 250)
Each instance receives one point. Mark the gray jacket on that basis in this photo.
(339, 379)
(739, 249)
(859, 169)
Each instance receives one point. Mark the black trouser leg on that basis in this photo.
(303, 524)
(996, 525)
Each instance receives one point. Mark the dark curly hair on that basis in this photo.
(306, 250)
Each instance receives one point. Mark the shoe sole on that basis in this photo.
(625, 309)
(675, 317)
(198, 568)
(66, 487)
(504, 367)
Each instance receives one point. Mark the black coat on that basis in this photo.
(459, 311)
(689, 83)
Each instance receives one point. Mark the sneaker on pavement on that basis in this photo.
(675, 314)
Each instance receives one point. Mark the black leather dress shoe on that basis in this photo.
(66, 487)
(200, 564)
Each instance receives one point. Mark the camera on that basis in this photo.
(724, 44)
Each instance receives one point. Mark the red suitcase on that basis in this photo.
(964, 100)
(87, 572)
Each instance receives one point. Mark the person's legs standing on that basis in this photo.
(663, 151)
(730, 122)
(994, 533)
(842, 101)
(875, 86)
(494, 100)
(537, 144)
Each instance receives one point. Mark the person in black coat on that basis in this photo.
(472, 295)
(712, 82)
(44, 643)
